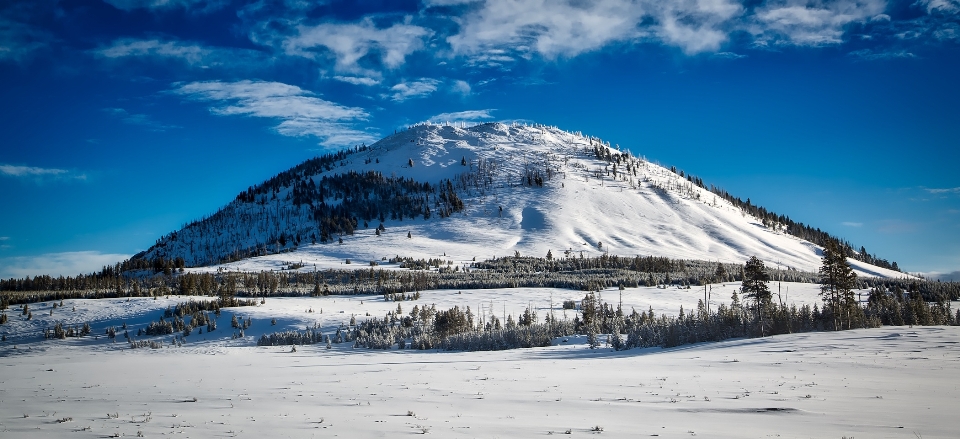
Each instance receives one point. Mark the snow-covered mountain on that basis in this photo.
(479, 192)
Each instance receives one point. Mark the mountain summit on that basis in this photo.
(485, 191)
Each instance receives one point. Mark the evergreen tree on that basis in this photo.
(720, 275)
(754, 286)
(837, 281)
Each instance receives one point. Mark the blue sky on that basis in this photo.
(125, 119)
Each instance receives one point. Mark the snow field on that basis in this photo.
(296, 313)
(880, 383)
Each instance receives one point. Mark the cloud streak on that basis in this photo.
(299, 111)
(38, 174)
(57, 264)
(201, 6)
(939, 191)
(469, 116)
(413, 89)
(191, 54)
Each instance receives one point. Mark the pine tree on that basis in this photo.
(837, 281)
(721, 274)
(755, 286)
(588, 307)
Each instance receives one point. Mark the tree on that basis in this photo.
(837, 281)
(755, 287)
(588, 308)
(720, 275)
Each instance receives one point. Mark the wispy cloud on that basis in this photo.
(142, 120)
(19, 39)
(413, 89)
(192, 54)
(350, 44)
(493, 32)
(940, 191)
(945, 6)
(803, 23)
(470, 116)
(728, 55)
(128, 47)
(852, 224)
(299, 111)
(870, 55)
(461, 87)
(550, 28)
(39, 174)
(357, 80)
(56, 264)
(198, 6)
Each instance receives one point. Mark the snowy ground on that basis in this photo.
(332, 311)
(893, 382)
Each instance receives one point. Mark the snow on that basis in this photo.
(655, 212)
(328, 313)
(887, 382)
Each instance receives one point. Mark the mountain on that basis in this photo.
(485, 191)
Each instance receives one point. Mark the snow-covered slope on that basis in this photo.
(527, 189)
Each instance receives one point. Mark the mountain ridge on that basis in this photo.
(495, 189)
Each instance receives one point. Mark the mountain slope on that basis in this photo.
(479, 192)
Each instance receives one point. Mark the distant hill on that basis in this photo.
(490, 190)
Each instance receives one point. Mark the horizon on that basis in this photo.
(127, 119)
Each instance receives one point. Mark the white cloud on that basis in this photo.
(461, 87)
(413, 89)
(128, 47)
(431, 3)
(30, 171)
(39, 174)
(945, 6)
(300, 112)
(696, 25)
(852, 224)
(470, 116)
(949, 190)
(551, 28)
(869, 55)
(494, 32)
(351, 43)
(192, 5)
(57, 264)
(357, 80)
(805, 23)
(728, 55)
(192, 54)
